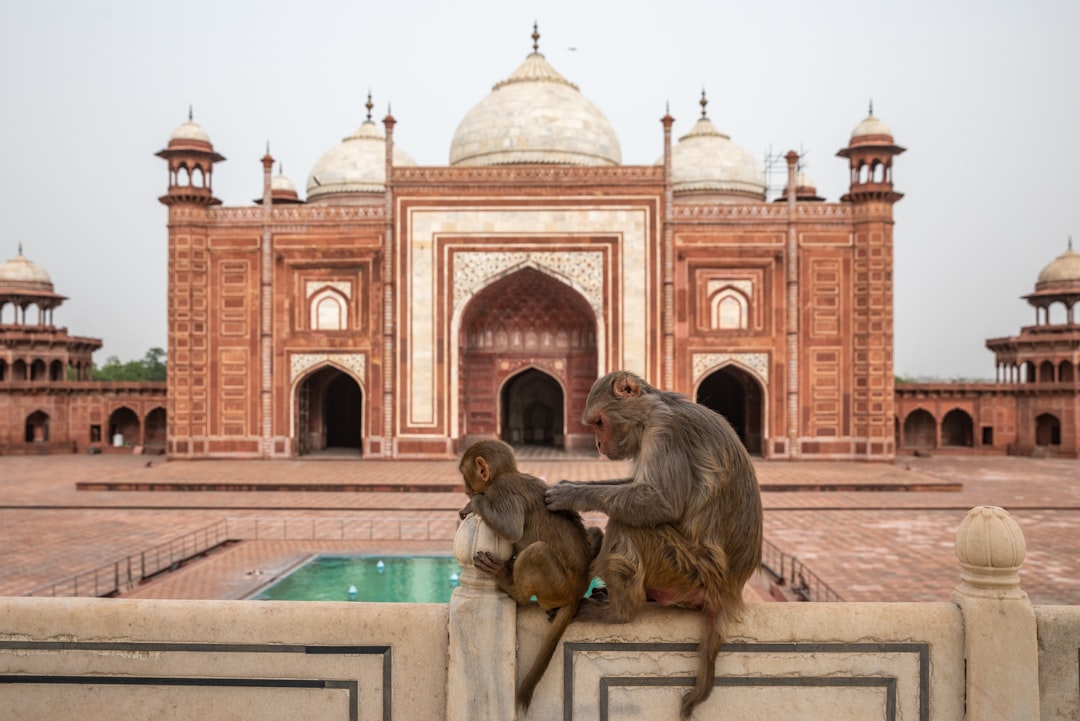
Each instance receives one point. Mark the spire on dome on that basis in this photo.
(536, 38)
(871, 113)
(703, 102)
(369, 105)
(190, 113)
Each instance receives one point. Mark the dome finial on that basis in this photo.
(20, 248)
(536, 38)
(871, 107)
(369, 105)
(1070, 242)
(703, 102)
(190, 113)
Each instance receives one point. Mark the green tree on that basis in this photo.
(152, 367)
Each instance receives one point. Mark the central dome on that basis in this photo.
(535, 116)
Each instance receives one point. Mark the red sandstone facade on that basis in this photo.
(410, 311)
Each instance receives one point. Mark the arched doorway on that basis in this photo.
(531, 410)
(154, 435)
(329, 413)
(920, 429)
(1047, 430)
(37, 427)
(124, 428)
(528, 358)
(957, 429)
(736, 395)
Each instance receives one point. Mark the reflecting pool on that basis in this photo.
(381, 579)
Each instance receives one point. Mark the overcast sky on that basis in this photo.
(984, 95)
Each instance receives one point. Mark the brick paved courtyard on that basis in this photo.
(873, 532)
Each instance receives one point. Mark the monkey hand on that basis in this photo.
(466, 510)
(486, 562)
(563, 496)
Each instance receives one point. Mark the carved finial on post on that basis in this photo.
(1000, 633)
(991, 549)
(482, 668)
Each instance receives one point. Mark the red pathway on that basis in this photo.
(868, 545)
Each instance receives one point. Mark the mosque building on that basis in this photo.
(404, 311)
(48, 400)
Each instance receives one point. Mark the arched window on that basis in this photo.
(920, 429)
(197, 179)
(1046, 372)
(329, 310)
(957, 429)
(729, 309)
(1047, 430)
(183, 177)
(1066, 372)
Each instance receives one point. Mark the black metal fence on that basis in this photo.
(790, 573)
(126, 573)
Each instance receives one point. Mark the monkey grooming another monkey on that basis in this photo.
(552, 549)
(686, 530)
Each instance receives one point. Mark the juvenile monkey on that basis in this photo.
(686, 529)
(552, 549)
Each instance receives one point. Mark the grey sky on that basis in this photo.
(984, 95)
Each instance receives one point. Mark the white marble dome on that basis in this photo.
(871, 131)
(190, 130)
(535, 116)
(20, 273)
(705, 160)
(1061, 273)
(356, 165)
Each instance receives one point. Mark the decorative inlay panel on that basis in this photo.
(757, 362)
(344, 287)
(473, 271)
(300, 363)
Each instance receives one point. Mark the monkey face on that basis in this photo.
(476, 473)
(611, 441)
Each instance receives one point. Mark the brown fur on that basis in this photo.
(686, 530)
(552, 549)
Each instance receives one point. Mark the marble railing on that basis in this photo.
(986, 654)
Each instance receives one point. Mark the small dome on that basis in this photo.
(804, 188)
(190, 130)
(281, 182)
(356, 165)
(1062, 273)
(19, 273)
(190, 136)
(871, 131)
(535, 116)
(706, 160)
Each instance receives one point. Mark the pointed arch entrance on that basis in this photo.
(532, 409)
(329, 412)
(528, 358)
(736, 394)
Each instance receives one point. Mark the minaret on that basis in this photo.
(870, 152)
(191, 159)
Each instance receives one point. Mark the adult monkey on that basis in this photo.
(552, 549)
(686, 530)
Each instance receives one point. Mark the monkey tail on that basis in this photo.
(711, 641)
(559, 624)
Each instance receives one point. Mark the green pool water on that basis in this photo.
(381, 579)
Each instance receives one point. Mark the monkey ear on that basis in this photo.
(483, 470)
(625, 386)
